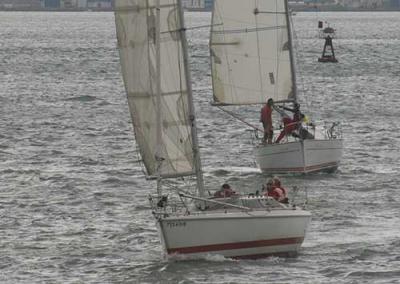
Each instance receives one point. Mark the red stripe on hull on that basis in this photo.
(233, 246)
(322, 166)
(303, 169)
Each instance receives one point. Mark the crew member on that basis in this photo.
(275, 192)
(266, 120)
(290, 124)
(277, 184)
(225, 191)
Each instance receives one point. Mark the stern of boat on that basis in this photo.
(322, 155)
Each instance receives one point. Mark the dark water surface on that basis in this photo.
(73, 202)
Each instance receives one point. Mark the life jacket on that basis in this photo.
(276, 193)
(284, 191)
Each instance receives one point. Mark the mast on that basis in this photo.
(292, 62)
(192, 117)
(158, 99)
(210, 47)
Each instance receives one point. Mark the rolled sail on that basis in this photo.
(250, 52)
(136, 27)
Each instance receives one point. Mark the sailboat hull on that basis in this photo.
(238, 234)
(300, 156)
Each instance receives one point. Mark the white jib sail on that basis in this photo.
(135, 23)
(250, 52)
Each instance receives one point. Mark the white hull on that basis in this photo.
(235, 234)
(310, 155)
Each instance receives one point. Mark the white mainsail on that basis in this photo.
(136, 33)
(250, 52)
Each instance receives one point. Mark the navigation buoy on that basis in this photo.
(328, 54)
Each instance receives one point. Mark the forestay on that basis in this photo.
(136, 28)
(250, 52)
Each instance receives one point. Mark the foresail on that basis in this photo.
(250, 52)
(136, 27)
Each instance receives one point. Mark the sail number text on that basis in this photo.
(176, 224)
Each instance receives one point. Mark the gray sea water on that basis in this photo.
(73, 201)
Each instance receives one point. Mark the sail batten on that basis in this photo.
(171, 153)
(249, 51)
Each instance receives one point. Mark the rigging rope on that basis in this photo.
(276, 89)
(258, 50)
(299, 72)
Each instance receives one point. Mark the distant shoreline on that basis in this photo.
(295, 10)
(54, 10)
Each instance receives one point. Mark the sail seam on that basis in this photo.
(250, 30)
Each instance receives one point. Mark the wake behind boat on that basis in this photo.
(154, 59)
(252, 62)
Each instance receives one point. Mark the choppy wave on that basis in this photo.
(74, 201)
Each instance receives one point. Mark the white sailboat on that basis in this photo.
(154, 60)
(252, 60)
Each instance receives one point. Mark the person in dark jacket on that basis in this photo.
(225, 191)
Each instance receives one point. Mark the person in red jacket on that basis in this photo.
(278, 193)
(290, 124)
(266, 120)
(277, 184)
